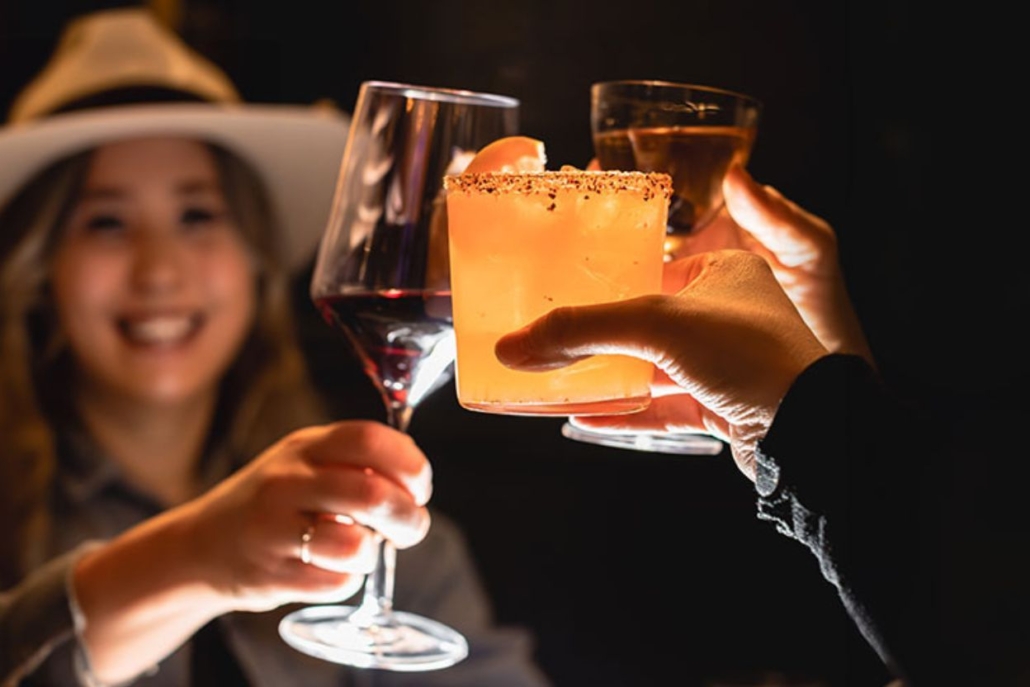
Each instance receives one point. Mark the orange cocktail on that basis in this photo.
(524, 243)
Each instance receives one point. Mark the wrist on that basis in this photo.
(150, 571)
(198, 566)
(139, 597)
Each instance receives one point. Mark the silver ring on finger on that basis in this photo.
(305, 542)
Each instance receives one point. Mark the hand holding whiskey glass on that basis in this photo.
(694, 133)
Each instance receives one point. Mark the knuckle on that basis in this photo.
(365, 437)
(559, 321)
(370, 491)
(272, 482)
(346, 541)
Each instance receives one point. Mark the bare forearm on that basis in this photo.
(141, 597)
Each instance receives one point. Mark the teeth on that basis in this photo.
(158, 330)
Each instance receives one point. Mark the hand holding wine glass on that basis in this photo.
(317, 469)
(381, 279)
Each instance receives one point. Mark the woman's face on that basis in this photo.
(152, 283)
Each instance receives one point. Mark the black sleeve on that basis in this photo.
(848, 471)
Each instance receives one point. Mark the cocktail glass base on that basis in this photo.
(686, 443)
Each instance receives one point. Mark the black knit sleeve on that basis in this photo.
(844, 470)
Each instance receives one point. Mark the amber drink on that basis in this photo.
(692, 132)
(524, 243)
(696, 157)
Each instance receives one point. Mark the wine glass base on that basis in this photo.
(395, 641)
(684, 443)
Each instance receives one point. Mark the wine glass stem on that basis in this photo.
(377, 599)
(378, 595)
(398, 416)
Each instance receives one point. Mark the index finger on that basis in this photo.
(567, 334)
(789, 232)
(365, 444)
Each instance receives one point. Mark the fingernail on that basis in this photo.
(510, 352)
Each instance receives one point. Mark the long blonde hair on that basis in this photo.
(265, 393)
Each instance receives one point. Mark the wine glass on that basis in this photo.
(381, 278)
(694, 133)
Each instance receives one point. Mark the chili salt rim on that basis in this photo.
(651, 184)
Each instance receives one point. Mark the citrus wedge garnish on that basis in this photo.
(509, 154)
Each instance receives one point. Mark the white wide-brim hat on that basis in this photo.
(295, 149)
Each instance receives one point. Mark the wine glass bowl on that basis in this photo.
(381, 279)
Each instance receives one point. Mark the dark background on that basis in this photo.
(896, 122)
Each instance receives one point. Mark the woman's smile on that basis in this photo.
(160, 330)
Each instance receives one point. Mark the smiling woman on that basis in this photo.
(153, 287)
(169, 480)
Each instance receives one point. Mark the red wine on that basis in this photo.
(696, 157)
(404, 338)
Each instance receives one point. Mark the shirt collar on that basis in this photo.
(86, 471)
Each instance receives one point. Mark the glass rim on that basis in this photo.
(546, 181)
(661, 83)
(441, 94)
